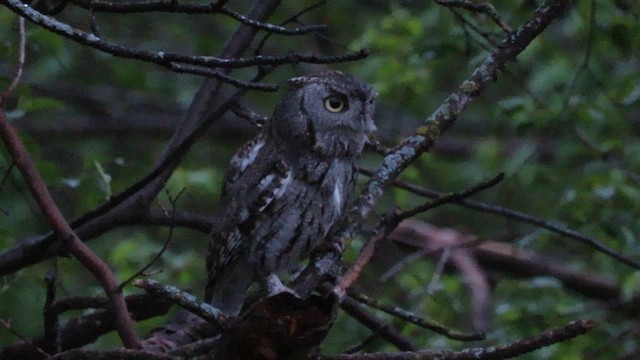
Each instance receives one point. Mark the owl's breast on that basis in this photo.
(304, 216)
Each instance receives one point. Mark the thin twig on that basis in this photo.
(397, 267)
(171, 217)
(517, 348)
(518, 216)
(448, 198)
(487, 36)
(216, 74)
(190, 8)
(414, 319)
(389, 223)
(21, 55)
(199, 65)
(377, 325)
(291, 19)
(377, 147)
(254, 118)
(8, 327)
(484, 8)
(437, 273)
(361, 345)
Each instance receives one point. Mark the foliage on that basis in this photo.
(562, 123)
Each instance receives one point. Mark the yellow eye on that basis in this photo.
(334, 104)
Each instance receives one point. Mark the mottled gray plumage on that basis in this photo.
(287, 188)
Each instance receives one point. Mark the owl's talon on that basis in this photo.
(275, 286)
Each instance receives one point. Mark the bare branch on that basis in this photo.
(484, 8)
(184, 300)
(447, 199)
(425, 136)
(159, 254)
(518, 216)
(191, 8)
(199, 65)
(517, 348)
(414, 319)
(391, 222)
(87, 328)
(254, 118)
(378, 326)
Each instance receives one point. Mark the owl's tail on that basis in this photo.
(228, 292)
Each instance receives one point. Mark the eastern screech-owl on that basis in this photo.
(287, 188)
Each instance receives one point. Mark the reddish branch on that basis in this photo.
(391, 222)
(69, 239)
(509, 214)
(517, 348)
(472, 259)
(458, 247)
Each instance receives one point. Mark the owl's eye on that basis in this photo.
(335, 104)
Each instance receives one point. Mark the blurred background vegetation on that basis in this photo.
(562, 123)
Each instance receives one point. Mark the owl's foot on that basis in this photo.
(275, 286)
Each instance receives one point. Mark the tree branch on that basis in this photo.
(425, 136)
(198, 65)
(412, 318)
(378, 326)
(391, 222)
(518, 216)
(67, 236)
(191, 8)
(517, 348)
(184, 300)
(485, 8)
(207, 106)
(87, 328)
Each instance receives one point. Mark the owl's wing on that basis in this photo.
(242, 160)
(256, 181)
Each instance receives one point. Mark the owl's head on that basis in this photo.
(329, 114)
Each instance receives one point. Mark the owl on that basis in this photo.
(287, 188)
